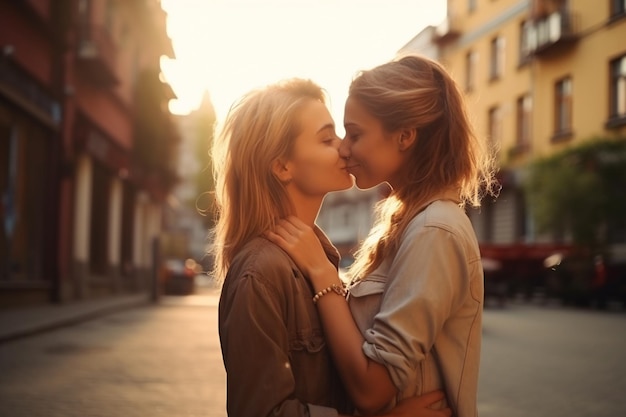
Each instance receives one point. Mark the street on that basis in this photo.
(151, 361)
(552, 361)
(165, 361)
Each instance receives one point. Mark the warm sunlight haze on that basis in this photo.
(230, 46)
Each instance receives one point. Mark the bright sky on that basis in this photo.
(231, 46)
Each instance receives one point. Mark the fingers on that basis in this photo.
(286, 226)
(431, 398)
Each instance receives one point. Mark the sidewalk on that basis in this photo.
(23, 322)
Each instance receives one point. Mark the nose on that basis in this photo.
(344, 149)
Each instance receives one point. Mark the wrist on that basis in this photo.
(338, 289)
(324, 277)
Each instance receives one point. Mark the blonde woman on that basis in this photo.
(412, 323)
(276, 156)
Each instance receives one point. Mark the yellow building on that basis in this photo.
(539, 75)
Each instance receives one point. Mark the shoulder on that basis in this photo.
(444, 217)
(263, 261)
(444, 214)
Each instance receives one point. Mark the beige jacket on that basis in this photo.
(421, 311)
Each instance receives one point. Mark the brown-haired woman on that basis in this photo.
(412, 323)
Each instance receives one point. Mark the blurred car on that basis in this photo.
(178, 277)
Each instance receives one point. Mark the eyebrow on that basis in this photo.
(326, 126)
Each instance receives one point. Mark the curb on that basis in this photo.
(27, 322)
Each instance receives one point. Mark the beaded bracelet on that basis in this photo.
(337, 289)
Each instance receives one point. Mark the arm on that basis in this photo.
(427, 284)
(421, 286)
(367, 382)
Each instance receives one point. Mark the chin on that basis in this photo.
(364, 185)
(345, 186)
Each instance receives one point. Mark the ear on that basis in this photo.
(282, 170)
(407, 138)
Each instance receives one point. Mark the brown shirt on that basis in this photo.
(276, 359)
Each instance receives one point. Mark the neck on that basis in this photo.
(307, 207)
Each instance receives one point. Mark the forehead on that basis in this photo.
(314, 117)
(356, 115)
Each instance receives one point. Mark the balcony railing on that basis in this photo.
(97, 54)
(553, 32)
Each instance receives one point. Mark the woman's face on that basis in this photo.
(315, 164)
(373, 155)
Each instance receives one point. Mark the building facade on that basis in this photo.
(538, 76)
(79, 206)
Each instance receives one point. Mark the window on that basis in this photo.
(524, 109)
(525, 41)
(497, 58)
(495, 126)
(563, 106)
(618, 7)
(618, 91)
(470, 70)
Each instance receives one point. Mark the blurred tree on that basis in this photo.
(204, 132)
(581, 191)
(156, 137)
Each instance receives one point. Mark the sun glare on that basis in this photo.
(228, 47)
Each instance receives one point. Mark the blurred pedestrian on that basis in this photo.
(276, 156)
(599, 282)
(412, 323)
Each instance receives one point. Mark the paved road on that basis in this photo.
(553, 362)
(165, 361)
(144, 362)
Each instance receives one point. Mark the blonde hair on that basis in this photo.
(260, 128)
(416, 92)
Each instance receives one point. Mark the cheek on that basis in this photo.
(317, 165)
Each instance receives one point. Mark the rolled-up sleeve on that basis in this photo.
(255, 349)
(427, 281)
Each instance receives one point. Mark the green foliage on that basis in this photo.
(581, 190)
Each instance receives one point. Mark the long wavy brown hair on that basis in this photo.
(259, 128)
(417, 92)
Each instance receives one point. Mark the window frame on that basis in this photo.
(496, 63)
(494, 124)
(471, 59)
(525, 47)
(563, 108)
(617, 92)
(523, 132)
(617, 8)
